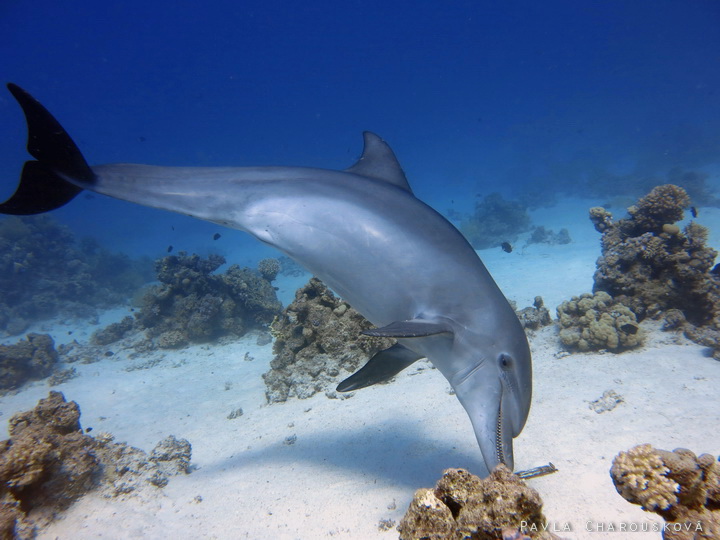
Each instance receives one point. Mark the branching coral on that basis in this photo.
(679, 486)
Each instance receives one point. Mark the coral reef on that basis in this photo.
(464, 506)
(44, 272)
(679, 486)
(494, 221)
(29, 359)
(269, 268)
(317, 344)
(193, 304)
(597, 321)
(172, 456)
(113, 332)
(535, 316)
(48, 462)
(541, 235)
(653, 267)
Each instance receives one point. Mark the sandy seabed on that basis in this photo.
(335, 468)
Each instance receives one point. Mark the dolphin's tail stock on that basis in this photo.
(44, 184)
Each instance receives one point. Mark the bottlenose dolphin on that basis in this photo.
(361, 231)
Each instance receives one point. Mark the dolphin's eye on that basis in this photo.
(505, 361)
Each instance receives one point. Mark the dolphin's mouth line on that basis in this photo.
(499, 454)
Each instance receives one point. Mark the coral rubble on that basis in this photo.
(679, 486)
(318, 342)
(597, 321)
(44, 271)
(494, 221)
(194, 304)
(654, 268)
(464, 506)
(48, 462)
(29, 359)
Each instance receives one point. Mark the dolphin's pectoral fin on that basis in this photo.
(380, 368)
(409, 329)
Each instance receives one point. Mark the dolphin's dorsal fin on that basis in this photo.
(380, 368)
(378, 161)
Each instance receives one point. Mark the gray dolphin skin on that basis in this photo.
(361, 231)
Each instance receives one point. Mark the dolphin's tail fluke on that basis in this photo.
(44, 184)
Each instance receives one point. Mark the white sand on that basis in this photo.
(359, 460)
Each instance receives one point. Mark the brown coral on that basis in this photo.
(651, 266)
(465, 506)
(45, 271)
(679, 486)
(318, 342)
(28, 359)
(597, 321)
(47, 462)
(663, 205)
(192, 304)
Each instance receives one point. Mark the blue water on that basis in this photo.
(518, 97)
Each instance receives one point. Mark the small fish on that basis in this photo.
(169, 249)
(70, 332)
(629, 328)
(216, 236)
(506, 247)
(693, 211)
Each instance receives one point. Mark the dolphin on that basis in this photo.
(362, 231)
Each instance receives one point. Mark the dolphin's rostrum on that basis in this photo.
(361, 231)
